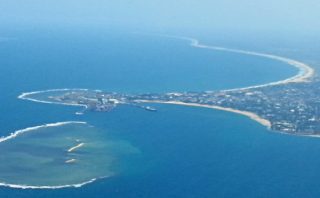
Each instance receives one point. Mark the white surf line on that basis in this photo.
(25, 96)
(49, 187)
(21, 131)
(305, 73)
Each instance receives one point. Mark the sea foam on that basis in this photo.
(21, 131)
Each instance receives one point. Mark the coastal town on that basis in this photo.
(290, 108)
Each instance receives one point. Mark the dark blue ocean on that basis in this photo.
(185, 151)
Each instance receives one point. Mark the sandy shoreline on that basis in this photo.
(305, 74)
(248, 114)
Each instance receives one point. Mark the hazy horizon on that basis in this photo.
(282, 17)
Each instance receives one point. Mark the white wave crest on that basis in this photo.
(21, 131)
(47, 187)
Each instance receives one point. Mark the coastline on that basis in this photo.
(24, 96)
(248, 114)
(305, 73)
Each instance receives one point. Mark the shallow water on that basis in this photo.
(69, 154)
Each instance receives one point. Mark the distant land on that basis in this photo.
(289, 106)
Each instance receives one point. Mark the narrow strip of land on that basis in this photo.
(306, 72)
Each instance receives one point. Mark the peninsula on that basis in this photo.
(289, 106)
